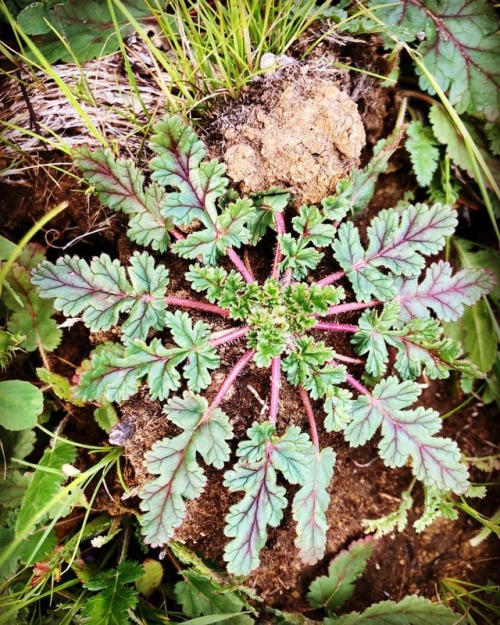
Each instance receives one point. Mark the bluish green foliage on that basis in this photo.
(284, 322)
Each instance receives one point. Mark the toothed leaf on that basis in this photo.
(115, 372)
(338, 408)
(354, 193)
(298, 256)
(247, 521)
(311, 227)
(102, 291)
(407, 433)
(120, 186)
(179, 164)
(398, 239)
(266, 205)
(443, 292)
(424, 153)
(307, 360)
(310, 505)
(180, 477)
(114, 600)
(262, 505)
(411, 610)
(370, 339)
(292, 454)
(332, 591)
(460, 49)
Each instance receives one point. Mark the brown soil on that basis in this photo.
(305, 135)
(362, 486)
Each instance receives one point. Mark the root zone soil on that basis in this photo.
(362, 486)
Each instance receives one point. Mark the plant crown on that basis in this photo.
(284, 324)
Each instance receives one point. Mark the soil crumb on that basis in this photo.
(305, 134)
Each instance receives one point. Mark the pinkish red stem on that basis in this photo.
(333, 277)
(190, 303)
(357, 385)
(229, 381)
(176, 234)
(275, 389)
(342, 308)
(279, 221)
(240, 265)
(354, 361)
(310, 415)
(233, 334)
(336, 327)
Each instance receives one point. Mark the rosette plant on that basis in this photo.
(389, 282)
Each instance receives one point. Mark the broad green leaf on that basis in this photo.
(103, 290)
(83, 32)
(31, 317)
(44, 486)
(174, 461)
(13, 486)
(443, 292)
(332, 591)
(151, 578)
(407, 434)
(492, 132)
(105, 416)
(411, 610)
(120, 186)
(459, 48)
(310, 505)
(475, 331)
(424, 153)
(20, 404)
(60, 385)
(198, 595)
(447, 133)
(114, 599)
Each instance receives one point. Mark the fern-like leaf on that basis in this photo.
(116, 371)
(443, 292)
(120, 186)
(407, 433)
(264, 500)
(103, 290)
(174, 461)
(114, 599)
(398, 240)
(310, 505)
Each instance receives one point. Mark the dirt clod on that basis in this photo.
(306, 136)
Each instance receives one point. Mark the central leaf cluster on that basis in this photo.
(279, 313)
